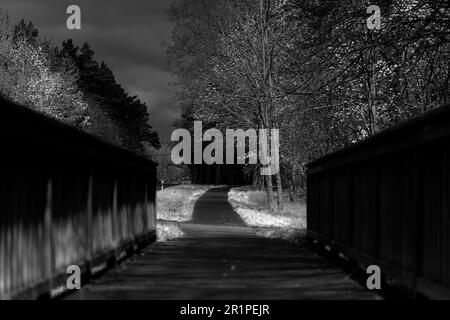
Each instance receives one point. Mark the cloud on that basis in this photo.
(127, 35)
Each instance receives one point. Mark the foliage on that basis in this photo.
(310, 68)
(27, 78)
(70, 85)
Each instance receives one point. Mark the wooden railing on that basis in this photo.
(386, 201)
(66, 198)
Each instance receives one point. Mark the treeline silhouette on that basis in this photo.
(69, 84)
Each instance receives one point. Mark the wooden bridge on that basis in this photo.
(386, 201)
(218, 257)
(67, 198)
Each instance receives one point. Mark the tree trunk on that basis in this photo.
(269, 191)
(257, 183)
(291, 182)
(303, 183)
(371, 88)
(279, 190)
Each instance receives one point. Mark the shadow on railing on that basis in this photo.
(66, 198)
(386, 201)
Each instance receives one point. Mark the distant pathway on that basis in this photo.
(221, 258)
(213, 208)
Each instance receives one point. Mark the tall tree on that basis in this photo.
(311, 68)
(70, 85)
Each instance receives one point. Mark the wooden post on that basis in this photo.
(114, 215)
(48, 226)
(89, 207)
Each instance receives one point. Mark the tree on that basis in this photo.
(31, 82)
(310, 68)
(25, 32)
(99, 84)
(70, 85)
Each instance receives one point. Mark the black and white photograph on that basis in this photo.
(224, 156)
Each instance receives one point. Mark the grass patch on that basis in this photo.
(177, 203)
(251, 206)
(167, 231)
(289, 234)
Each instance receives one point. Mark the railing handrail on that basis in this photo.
(67, 198)
(384, 201)
(382, 142)
(14, 111)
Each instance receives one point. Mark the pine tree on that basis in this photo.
(26, 32)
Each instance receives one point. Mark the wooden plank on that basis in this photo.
(225, 263)
(56, 286)
(400, 195)
(41, 233)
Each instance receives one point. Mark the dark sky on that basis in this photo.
(126, 34)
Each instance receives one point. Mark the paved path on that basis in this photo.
(224, 261)
(213, 208)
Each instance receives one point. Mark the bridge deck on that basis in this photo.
(224, 262)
